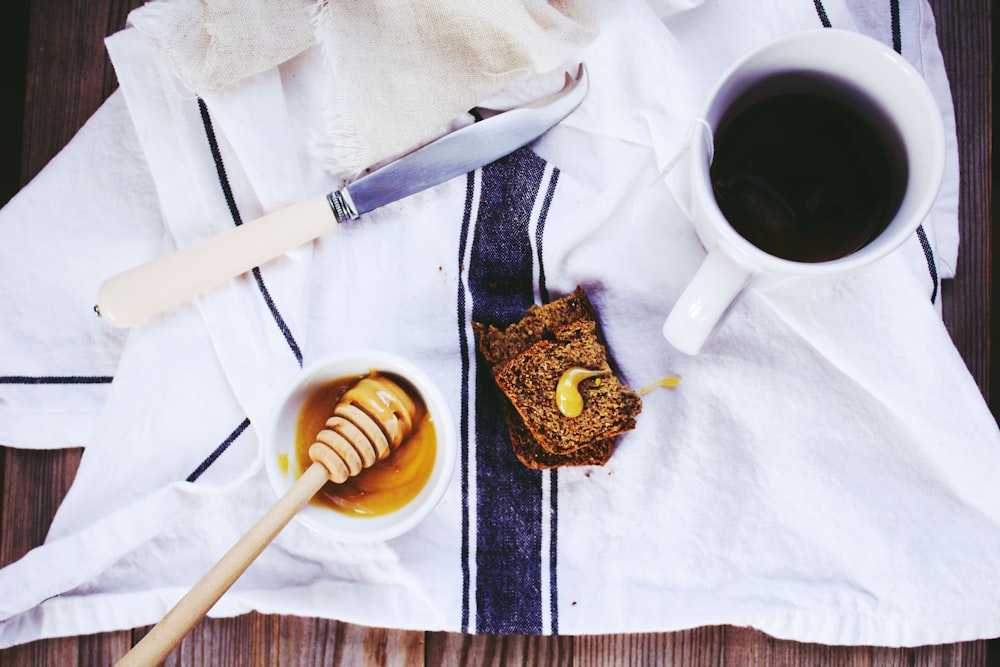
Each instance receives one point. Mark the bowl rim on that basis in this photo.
(344, 363)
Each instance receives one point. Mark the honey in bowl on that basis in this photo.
(390, 483)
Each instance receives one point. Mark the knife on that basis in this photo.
(134, 295)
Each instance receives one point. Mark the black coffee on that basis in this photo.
(805, 171)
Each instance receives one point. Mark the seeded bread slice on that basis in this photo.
(501, 345)
(529, 453)
(529, 381)
(528, 357)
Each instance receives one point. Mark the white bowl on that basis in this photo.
(279, 442)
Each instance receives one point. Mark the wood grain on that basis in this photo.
(69, 72)
(965, 39)
(700, 646)
(43, 476)
(745, 646)
(159, 642)
(68, 75)
(445, 649)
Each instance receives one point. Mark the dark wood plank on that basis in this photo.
(47, 653)
(38, 478)
(699, 646)
(69, 72)
(964, 32)
(245, 640)
(34, 484)
(13, 69)
(313, 641)
(68, 76)
(446, 649)
(99, 649)
(258, 639)
(752, 648)
(380, 646)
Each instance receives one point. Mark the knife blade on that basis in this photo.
(138, 293)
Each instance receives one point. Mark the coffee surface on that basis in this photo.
(805, 175)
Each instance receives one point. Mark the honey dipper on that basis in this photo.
(374, 416)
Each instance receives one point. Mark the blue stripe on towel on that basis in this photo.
(821, 12)
(508, 502)
(234, 211)
(55, 379)
(553, 542)
(925, 244)
(464, 344)
(218, 451)
(897, 45)
(543, 292)
(897, 36)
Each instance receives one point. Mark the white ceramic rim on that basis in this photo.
(278, 438)
(919, 115)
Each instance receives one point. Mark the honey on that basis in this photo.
(391, 482)
(668, 382)
(568, 396)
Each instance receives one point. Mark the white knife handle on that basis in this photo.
(148, 289)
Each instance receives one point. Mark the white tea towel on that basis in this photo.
(822, 472)
(94, 211)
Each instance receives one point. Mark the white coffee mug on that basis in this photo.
(841, 59)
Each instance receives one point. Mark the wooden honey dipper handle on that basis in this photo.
(165, 635)
(391, 411)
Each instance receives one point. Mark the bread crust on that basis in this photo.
(526, 360)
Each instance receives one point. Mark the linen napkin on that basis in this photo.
(822, 472)
(424, 63)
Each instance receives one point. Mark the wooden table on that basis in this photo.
(68, 76)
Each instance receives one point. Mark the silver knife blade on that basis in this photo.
(150, 288)
(459, 152)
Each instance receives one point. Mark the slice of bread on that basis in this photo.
(529, 453)
(527, 359)
(502, 345)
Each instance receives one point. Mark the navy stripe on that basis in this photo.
(543, 291)
(821, 11)
(464, 421)
(278, 319)
(931, 264)
(220, 167)
(925, 244)
(203, 466)
(227, 191)
(897, 45)
(897, 36)
(500, 270)
(55, 379)
(553, 550)
(554, 473)
(508, 502)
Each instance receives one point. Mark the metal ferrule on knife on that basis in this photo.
(342, 205)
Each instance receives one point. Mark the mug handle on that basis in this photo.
(704, 301)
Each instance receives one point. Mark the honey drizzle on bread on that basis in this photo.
(568, 398)
(528, 357)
